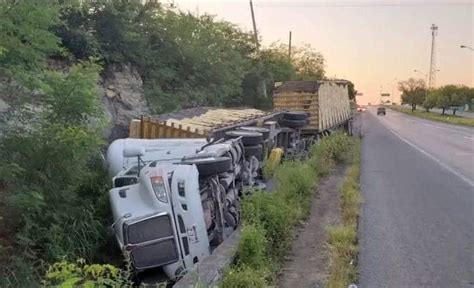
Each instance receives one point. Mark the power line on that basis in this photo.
(363, 4)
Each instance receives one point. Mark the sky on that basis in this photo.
(374, 44)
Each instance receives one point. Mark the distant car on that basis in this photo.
(381, 111)
(360, 109)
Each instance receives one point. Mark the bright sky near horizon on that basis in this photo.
(372, 43)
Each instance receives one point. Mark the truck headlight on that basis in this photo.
(159, 188)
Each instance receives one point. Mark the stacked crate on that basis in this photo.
(327, 102)
(299, 96)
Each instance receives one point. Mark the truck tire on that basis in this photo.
(248, 137)
(265, 132)
(210, 166)
(255, 150)
(295, 115)
(294, 123)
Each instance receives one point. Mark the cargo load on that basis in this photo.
(326, 102)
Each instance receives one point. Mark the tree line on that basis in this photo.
(415, 92)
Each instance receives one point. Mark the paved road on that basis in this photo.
(417, 223)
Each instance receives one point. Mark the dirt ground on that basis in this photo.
(307, 263)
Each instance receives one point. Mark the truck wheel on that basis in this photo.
(265, 132)
(294, 123)
(256, 150)
(248, 137)
(210, 166)
(295, 115)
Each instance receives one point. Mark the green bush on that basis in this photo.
(270, 218)
(343, 249)
(275, 215)
(343, 238)
(350, 196)
(54, 175)
(295, 179)
(252, 248)
(20, 272)
(245, 277)
(80, 274)
(336, 148)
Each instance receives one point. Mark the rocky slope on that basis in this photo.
(120, 89)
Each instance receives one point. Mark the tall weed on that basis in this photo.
(271, 218)
(343, 238)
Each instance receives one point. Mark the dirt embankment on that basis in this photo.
(307, 263)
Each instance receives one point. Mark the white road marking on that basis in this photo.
(437, 127)
(432, 157)
(470, 138)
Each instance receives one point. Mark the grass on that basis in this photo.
(451, 119)
(270, 219)
(343, 238)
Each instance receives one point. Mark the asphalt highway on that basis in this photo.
(417, 222)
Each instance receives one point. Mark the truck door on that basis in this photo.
(188, 214)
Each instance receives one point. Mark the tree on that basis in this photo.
(308, 63)
(351, 90)
(76, 30)
(413, 92)
(430, 101)
(53, 160)
(25, 39)
(275, 67)
(451, 96)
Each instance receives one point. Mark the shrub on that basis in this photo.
(20, 272)
(275, 215)
(80, 274)
(343, 238)
(270, 218)
(244, 277)
(350, 197)
(252, 248)
(342, 241)
(55, 178)
(295, 179)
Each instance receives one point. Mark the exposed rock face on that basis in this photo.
(123, 99)
(120, 89)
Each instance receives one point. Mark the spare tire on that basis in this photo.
(294, 123)
(295, 115)
(265, 132)
(210, 166)
(256, 150)
(248, 137)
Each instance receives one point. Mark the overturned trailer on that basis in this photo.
(326, 102)
(179, 179)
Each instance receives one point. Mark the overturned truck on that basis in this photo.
(178, 181)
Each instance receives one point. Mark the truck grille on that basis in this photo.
(157, 233)
(148, 230)
(156, 254)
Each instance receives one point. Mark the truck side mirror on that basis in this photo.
(131, 152)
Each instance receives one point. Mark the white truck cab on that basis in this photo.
(174, 199)
(161, 220)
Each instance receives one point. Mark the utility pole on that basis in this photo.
(434, 33)
(257, 45)
(289, 48)
(254, 27)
